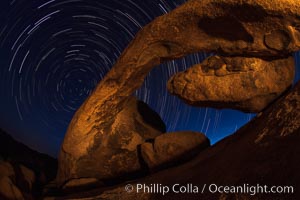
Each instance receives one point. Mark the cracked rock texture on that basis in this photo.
(247, 84)
(249, 28)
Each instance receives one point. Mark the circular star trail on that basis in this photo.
(54, 53)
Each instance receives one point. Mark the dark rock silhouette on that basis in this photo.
(23, 171)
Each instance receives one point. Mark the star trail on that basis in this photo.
(54, 53)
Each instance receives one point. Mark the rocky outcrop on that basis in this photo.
(247, 84)
(172, 148)
(247, 37)
(115, 152)
(265, 151)
(228, 27)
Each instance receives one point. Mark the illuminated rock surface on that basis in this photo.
(247, 28)
(247, 84)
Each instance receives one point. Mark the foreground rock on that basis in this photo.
(16, 182)
(265, 152)
(44, 166)
(115, 152)
(247, 84)
(80, 184)
(172, 148)
(8, 189)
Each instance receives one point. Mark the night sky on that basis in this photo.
(54, 52)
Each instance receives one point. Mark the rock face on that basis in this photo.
(229, 27)
(247, 84)
(115, 152)
(173, 147)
